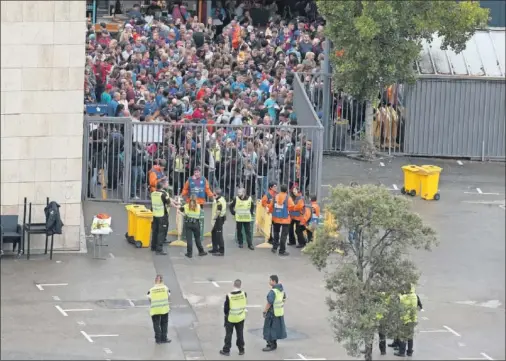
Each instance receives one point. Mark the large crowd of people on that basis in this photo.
(220, 91)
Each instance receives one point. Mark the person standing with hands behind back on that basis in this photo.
(274, 315)
(235, 314)
(159, 309)
(191, 213)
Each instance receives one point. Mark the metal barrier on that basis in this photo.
(122, 155)
(346, 123)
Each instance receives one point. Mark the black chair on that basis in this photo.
(10, 232)
(35, 228)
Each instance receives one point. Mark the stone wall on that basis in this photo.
(42, 81)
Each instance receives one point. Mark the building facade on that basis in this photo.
(42, 81)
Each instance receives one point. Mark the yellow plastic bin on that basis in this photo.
(143, 219)
(411, 180)
(429, 178)
(131, 208)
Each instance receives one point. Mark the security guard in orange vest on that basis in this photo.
(296, 216)
(280, 208)
(235, 314)
(159, 309)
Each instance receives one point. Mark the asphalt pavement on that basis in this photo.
(97, 308)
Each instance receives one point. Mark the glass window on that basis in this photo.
(472, 55)
(439, 57)
(487, 53)
(499, 39)
(425, 62)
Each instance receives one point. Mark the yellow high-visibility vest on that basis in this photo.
(223, 203)
(410, 303)
(216, 152)
(237, 303)
(179, 164)
(243, 210)
(159, 300)
(192, 214)
(279, 303)
(157, 204)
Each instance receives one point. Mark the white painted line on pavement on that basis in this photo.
(81, 323)
(483, 194)
(215, 284)
(61, 310)
(41, 286)
(58, 261)
(87, 336)
(502, 206)
(107, 351)
(78, 310)
(433, 331)
(56, 298)
(486, 356)
(460, 163)
(131, 303)
(103, 335)
(452, 331)
(382, 164)
(111, 255)
(471, 358)
(479, 190)
(425, 318)
(395, 187)
(461, 344)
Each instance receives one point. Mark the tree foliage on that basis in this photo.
(375, 230)
(377, 42)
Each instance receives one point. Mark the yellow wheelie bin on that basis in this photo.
(411, 180)
(131, 208)
(142, 236)
(429, 178)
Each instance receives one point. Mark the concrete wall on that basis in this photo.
(42, 81)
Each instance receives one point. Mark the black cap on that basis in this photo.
(271, 184)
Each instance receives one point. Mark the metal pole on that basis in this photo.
(326, 94)
(94, 14)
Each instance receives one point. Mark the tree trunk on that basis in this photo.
(368, 150)
(368, 351)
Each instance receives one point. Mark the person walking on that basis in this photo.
(160, 205)
(274, 315)
(219, 216)
(242, 208)
(411, 304)
(315, 218)
(159, 309)
(280, 207)
(267, 198)
(235, 315)
(296, 216)
(191, 213)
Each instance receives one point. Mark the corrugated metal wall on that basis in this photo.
(455, 118)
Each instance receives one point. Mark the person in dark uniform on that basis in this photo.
(235, 315)
(242, 208)
(411, 303)
(191, 213)
(160, 204)
(159, 309)
(274, 315)
(219, 216)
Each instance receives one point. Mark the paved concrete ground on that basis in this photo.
(467, 267)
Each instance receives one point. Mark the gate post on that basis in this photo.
(127, 171)
(327, 98)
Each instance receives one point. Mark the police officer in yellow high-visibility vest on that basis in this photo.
(242, 208)
(274, 315)
(218, 216)
(235, 314)
(191, 211)
(159, 309)
(160, 205)
(411, 304)
(380, 318)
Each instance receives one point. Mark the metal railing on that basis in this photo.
(346, 123)
(120, 156)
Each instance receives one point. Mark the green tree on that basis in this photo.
(377, 42)
(374, 231)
